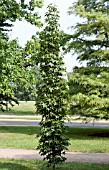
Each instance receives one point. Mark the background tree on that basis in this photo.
(89, 86)
(31, 52)
(10, 10)
(10, 70)
(51, 102)
(11, 54)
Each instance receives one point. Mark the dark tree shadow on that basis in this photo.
(14, 164)
(29, 130)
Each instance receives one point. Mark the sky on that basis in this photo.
(24, 31)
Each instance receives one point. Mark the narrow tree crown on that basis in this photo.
(52, 92)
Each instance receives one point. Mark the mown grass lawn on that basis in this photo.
(80, 140)
(24, 108)
(13, 164)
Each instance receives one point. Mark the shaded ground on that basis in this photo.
(99, 134)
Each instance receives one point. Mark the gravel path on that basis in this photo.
(71, 156)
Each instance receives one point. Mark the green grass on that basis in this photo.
(24, 108)
(25, 137)
(18, 137)
(81, 141)
(14, 164)
(11, 117)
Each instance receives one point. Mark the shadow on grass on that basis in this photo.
(29, 130)
(21, 113)
(13, 166)
(40, 165)
(87, 132)
(72, 132)
(17, 164)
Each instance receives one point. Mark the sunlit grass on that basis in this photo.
(14, 164)
(80, 141)
(24, 108)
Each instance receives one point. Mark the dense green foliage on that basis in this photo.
(10, 69)
(52, 93)
(89, 86)
(12, 59)
(26, 90)
(10, 10)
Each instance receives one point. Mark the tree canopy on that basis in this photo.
(10, 10)
(89, 85)
(52, 96)
(12, 60)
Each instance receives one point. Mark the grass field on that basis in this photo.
(13, 164)
(80, 139)
(24, 108)
(26, 117)
(25, 137)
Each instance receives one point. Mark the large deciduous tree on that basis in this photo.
(26, 90)
(10, 10)
(10, 56)
(12, 60)
(52, 93)
(89, 86)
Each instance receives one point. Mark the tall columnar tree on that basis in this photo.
(52, 93)
(12, 67)
(89, 86)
